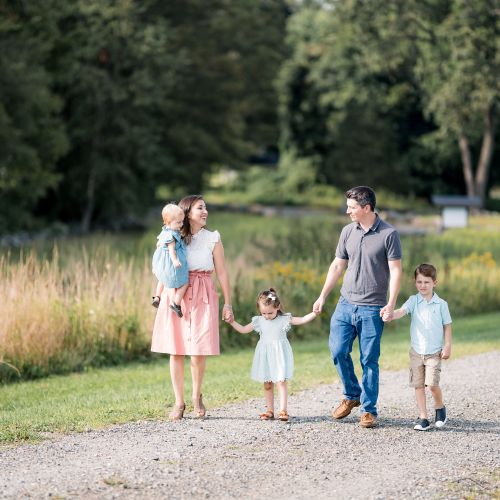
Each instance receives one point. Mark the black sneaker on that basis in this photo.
(156, 302)
(177, 309)
(440, 419)
(422, 425)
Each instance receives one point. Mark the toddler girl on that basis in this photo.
(273, 359)
(169, 260)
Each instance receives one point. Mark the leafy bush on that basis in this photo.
(74, 308)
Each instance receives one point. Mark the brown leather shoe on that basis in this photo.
(344, 408)
(368, 420)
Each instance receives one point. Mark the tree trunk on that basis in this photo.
(89, 209)
(467, 164)
(483, 167)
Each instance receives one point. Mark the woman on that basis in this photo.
(196, 333)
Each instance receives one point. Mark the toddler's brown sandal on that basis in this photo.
(283, 416)
(268, 415)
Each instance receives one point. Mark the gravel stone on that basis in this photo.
(232, 454)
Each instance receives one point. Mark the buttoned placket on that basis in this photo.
(360, 256)
(426, 310)
(362, 241)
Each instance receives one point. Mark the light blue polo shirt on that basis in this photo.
(427, 321)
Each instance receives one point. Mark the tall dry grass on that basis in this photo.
(90, 304)
(95, 310)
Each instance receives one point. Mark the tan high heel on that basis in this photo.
(177, 413)
(199, 409)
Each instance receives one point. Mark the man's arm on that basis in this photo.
(396, 273)
(337, 267)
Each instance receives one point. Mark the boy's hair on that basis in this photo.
(364, 195)
(170, 211)
(269, 298)
(427, 270)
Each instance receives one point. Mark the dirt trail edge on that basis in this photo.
(232, 454)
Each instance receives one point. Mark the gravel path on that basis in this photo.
(232, 454)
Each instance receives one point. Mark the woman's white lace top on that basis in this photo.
(199, 251)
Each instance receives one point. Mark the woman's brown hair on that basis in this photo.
(186, 203)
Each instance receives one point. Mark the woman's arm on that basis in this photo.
(240, 328)
(295, 320)
(223, 277)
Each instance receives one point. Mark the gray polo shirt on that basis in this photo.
(366, 279)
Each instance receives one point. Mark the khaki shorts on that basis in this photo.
(424, 369)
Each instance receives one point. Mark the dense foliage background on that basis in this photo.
(104, 102)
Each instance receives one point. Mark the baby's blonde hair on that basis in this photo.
(170, 212)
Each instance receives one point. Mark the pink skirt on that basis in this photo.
(197, 332)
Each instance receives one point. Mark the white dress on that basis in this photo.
(273, 359)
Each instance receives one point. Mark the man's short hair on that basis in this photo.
(364, 195)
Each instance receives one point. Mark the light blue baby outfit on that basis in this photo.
(273, 359)
(163, 267)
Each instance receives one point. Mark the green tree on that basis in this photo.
(354, 111)
(127, 96)
(224, 97)
(459, 70)
(379, 89)
(113, 72)
(32, 135)
(160, 93)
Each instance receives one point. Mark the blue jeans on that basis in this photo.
(348, 321)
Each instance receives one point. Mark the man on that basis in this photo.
(370, 250)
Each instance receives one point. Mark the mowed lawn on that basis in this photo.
(29, 411)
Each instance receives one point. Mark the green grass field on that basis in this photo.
(137, 391)
(85, 302)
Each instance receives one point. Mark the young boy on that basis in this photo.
(430, 332)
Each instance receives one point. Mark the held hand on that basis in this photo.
(227, 313)
(387, 313)
(385, 317)
(177, 263)
(446, 352)
(318, 305)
